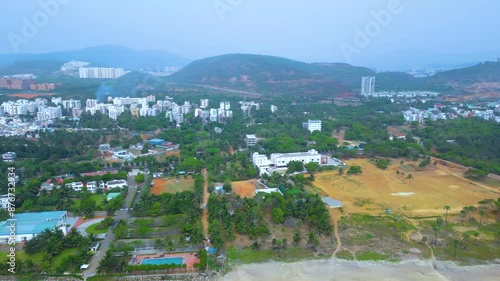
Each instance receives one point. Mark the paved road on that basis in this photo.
(82, 229)
(110, 237)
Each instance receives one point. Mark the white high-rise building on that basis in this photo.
(69, 104)
(100, 72)
(203, 103)
(313, 125)
(367, 85)
(91, 103)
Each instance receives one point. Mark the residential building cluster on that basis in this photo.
(140, 107)
(404, 94)
(26, 83)
(100, 72)
(92, 186)
(489, 111)
(74, 65)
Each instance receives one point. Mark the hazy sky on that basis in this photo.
(377, 33)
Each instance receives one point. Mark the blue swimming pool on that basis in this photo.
(163, 261)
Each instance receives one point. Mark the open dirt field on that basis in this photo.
(425, 194)
(30, 96)
(244, 188)
(162, 185)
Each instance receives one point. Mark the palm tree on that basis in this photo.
(436, 230)
(297, 238)
(476, 234)
(462, 215)
(482, 213)
(446, 208)
(456, 243)
(466, 237)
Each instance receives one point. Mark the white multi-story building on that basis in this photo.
(69, 104)
(251, 140)
(213, 114)
(313, 125)
(115, 110)
(56, 101)
(100, 72)
(49, 113)
(203, 103)
(367, 85)
(274, 108)
(260, 160)
(91, 103)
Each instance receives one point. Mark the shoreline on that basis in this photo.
(338, 269)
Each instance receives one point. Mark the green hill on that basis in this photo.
(271, 75)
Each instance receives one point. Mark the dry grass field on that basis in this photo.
(426, 193)
(244, 188)
(162, 185)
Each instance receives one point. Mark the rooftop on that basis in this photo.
(32, 223)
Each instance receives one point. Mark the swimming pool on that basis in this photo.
(163, 261)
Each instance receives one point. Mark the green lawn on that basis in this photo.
(97, 198)
(91, 229)
(65, 253)
(38, 257)
(251, 256)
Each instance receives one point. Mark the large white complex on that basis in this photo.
(313, 125)
(47, 113)
(282, 159)
(367, 85)
(100, 72)
(29, 225)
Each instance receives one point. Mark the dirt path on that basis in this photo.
(231, 150)
(204, 218)
(335, 215)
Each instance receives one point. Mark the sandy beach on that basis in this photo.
(336, 269)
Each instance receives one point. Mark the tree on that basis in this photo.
(482, 213)
(354, 170)
(476, 234)
(312, 240)
(341, 171)
(145, 148)
(436, 230)
(297, 238)
(456, 243)
(294, 166)
(465, 236)
(446, 208)
(139, 178)
(278, 215)
(462, 215)
(285, 243)
(312, 167)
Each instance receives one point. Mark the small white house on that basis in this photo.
(116, 184)
(92, 186)
(76, 186)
